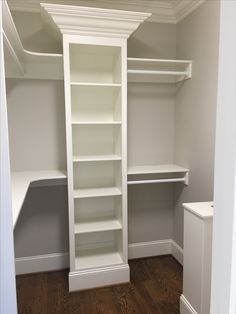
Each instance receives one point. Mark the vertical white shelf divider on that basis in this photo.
(95, 80)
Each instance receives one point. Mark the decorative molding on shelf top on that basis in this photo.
(168, 11)
(88, 21)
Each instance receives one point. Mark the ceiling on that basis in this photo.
(163, 11)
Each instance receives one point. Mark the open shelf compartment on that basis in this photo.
(98, 249)
(95, 141)
(95, 64)
(96, 104)
(97, 178)
(98, 214)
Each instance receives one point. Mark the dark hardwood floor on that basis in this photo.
(155, 287)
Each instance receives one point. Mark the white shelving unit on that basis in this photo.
(158, 70)
(95, 77)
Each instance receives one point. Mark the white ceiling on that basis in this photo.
(163, 11)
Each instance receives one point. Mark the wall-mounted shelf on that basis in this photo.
(21, 181)
(157, 174)
(21, 63)
(158, 70)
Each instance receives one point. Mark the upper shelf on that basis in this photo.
(21, 182)
(22, 63)
(157, 174)
(158, 70)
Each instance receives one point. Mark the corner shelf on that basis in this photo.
(158, 70)
(21, 181)
(169, 173)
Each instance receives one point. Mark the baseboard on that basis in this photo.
(100, 277)
(177, 252)
(185, 306)
(41, 263)
(57, 261)
(151, 248)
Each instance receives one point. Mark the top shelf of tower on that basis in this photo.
(158, 70)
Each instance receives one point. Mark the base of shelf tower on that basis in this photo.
(99, 277)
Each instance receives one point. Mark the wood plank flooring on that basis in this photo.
(155, 288)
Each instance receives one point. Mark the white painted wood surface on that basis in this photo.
(158, 70)
(198, 219)
(21, 181)
(8, 302)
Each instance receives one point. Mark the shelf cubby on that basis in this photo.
(96, 140)
(98, 214)
(102, 174)
(95, 64)
(98, 104)
(98, 249)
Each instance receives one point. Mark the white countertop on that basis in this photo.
(204, 210)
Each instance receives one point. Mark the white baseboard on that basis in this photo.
(185, 306)
(107, 276)
(177, 252)
(151, 248)
(40, 263)
(57, 261)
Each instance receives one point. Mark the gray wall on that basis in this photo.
(197, 40)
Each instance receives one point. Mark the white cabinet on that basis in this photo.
(198, 219)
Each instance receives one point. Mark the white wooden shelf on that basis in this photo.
(96, 158)
(74, 122)
(170, 168)
(95, 84)
(159, 170)
(158, 70)
(96, 192)
(97, 225)
(97, 258)
(21, 181)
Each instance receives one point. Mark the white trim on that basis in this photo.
(151, 248)
(185, 306)
(177, 252)
(57, 261)
(162, 11)
(80, 280)
(183, 8)
(41, 263)
(88, 21)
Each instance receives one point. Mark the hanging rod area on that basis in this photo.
(183, 180)
(176, 174)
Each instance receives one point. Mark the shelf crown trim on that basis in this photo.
(88, 21)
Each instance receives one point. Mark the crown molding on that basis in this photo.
(89, 21)
(182, 8)
(163, 11)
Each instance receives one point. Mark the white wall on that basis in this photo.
(195, 115)
(36, 116)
